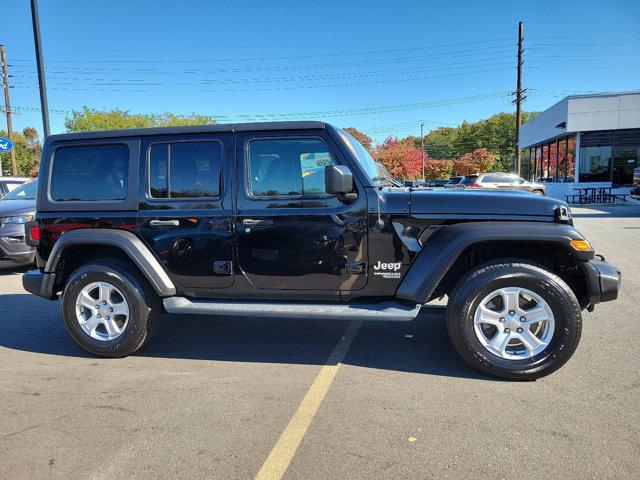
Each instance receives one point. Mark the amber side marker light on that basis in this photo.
(581, 245)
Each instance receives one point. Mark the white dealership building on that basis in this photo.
(584, 141)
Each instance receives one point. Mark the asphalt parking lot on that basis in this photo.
(229, 398)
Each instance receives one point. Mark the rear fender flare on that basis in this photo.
(126, 241)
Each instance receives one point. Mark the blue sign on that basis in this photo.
(6, 145)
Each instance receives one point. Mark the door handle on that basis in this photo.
(251, 222)
(164, 223)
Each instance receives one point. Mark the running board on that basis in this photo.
(386, 311)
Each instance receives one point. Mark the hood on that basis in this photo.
(9, 208)
(482, 202)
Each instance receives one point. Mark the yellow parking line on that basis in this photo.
(282, 453)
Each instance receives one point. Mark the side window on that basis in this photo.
(493, 178)
(293, 166)
(512, 179)
(87, 173)
(185, 169)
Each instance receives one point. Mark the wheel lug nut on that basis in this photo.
(501, 320)
(506, 330)
(523, 319)
(512, 313)
(520, 330)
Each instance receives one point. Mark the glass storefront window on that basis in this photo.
(595, 157)
(595, 163)
(626, 154)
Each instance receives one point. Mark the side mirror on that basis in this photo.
(338, 179)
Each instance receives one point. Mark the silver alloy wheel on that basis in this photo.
(102, 311)
(514, 323)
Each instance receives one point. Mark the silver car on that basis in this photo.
(503, 181)
(16, 208)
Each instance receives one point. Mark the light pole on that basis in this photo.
(40, 63)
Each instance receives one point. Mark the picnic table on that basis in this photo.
(587, 195)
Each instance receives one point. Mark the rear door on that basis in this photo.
(291, 234)
(186, 208)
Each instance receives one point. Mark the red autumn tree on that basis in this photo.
(478, 161)
(438, 169)
(365, 140)
(402, 159)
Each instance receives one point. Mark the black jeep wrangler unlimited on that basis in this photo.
(296, 220)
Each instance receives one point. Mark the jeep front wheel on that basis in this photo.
(108, 310)
(514, 320)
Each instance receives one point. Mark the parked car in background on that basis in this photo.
(7, 184)
(415, 183)
(635, 191)
(453, 182)
(17, 208)
(438, 183)
(504, 181)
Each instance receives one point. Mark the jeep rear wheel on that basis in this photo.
(108, 310)
(514, 320)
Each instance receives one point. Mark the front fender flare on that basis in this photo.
(445, 246)
(126, 241)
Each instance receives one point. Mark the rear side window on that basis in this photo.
(90, 173)
(185, 170)
(283, 167)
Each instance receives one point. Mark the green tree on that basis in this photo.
(88, 120)
(28, 149)
(496, 133)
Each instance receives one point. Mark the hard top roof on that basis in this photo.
(214, 128)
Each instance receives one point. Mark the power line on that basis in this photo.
(283, 57)
(353, 63)
(299, 78)
(300, 87)
(346, 112)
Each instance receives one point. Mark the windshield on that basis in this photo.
(469, 180)
(377, 173)
(23, 192)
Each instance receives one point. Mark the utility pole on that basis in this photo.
(422, 146)
(519, 98)
(7, 108)
(35, 20)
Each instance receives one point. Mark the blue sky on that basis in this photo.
(382, 67)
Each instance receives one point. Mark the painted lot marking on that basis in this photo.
(278, 461)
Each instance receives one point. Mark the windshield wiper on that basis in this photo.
(388, 179)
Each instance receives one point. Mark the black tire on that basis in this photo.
(486, 278)
(539, 192)
(144, 307)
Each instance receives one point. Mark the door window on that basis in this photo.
(287, 167)
(185, 170)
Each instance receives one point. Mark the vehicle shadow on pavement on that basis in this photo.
(9, 268)
(421, 346)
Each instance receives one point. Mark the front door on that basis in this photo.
(625, 159)
(290, 233)
(185, 214)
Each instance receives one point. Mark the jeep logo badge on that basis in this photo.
(387, 270)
